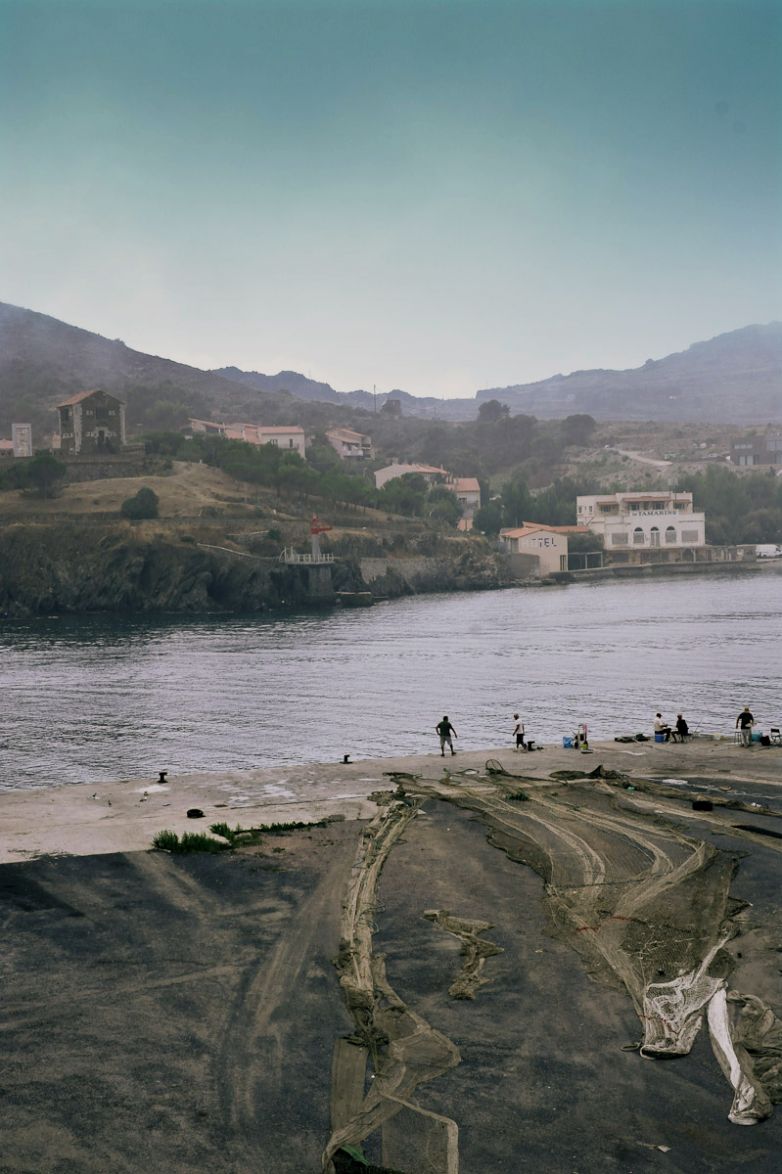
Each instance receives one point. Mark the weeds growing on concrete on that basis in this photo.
(230, 838)
(168, 841)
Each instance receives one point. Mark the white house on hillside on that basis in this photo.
(350, 445)
(288, 436)
(635, 523)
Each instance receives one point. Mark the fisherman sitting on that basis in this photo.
(661, 728)
(681, 731)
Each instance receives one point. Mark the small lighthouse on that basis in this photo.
(316, 529)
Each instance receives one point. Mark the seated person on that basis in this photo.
(661, 728)
(681, 730)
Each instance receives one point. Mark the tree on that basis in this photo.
(443, 506)
(577, 429)
(143, 504)
(44, 474)
(491, 411)
(488, 519)
(516, 501)
(322, 457)
(404, 495)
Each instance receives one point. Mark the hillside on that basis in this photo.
(44, 360)
(733, 378)
(426, 407)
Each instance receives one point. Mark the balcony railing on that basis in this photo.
(292, 556)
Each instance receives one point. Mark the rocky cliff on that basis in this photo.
(48, 569)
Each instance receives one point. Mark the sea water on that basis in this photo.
(95, 698)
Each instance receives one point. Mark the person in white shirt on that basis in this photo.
(660, 727)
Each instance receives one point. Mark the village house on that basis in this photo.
(287, 436)
(6, 448)
(468, 495)
(91, 422)
(548, 544)
(643, 527)
(763, 448)
(350, 445)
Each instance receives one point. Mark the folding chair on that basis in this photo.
(775, 735)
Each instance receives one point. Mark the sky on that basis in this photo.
(434, 195)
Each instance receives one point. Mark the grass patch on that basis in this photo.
(517, 796)
(167, 841)
(230, 838)
(279, 829)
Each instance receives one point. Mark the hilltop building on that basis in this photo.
(91, 422)
(643, 527)
(350, 445)
(288, 436)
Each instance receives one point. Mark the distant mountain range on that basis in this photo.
(310, 389)
(735, 377)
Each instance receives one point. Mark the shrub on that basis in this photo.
(168, 841)
(143, 505)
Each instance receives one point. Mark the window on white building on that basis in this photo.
(670, 534)
(638, 536)
(690, 536)
(619, 539)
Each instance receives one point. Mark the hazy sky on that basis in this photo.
(428, 194)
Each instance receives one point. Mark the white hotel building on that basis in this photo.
(634, 525)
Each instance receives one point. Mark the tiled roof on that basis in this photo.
(415, 469)
(534, 527)
(467, 484)
(81, 395)
(348, 435)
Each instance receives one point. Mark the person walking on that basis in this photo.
(744, 722)
(445, 732)
(518, 733)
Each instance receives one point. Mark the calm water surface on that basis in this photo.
(99, 698)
